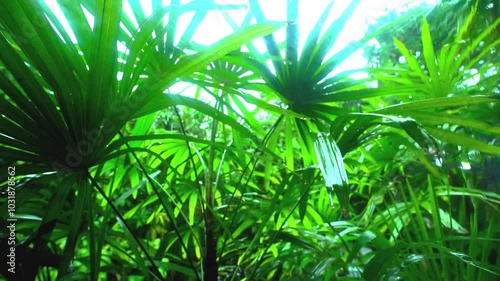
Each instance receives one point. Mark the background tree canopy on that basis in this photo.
(131, 152)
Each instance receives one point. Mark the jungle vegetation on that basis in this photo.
(140, 154)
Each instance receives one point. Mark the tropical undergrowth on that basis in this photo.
(141, 155)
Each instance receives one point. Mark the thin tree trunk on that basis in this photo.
(210, 266)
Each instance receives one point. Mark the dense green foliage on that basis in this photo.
(270, 164)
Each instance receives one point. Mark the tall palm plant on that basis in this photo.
(65, 99)
(304, 86)
(443, 82)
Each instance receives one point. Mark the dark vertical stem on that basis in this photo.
(210, 266)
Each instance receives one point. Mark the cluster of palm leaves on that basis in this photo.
(271, 164)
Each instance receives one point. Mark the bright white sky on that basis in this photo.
(215, 26)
